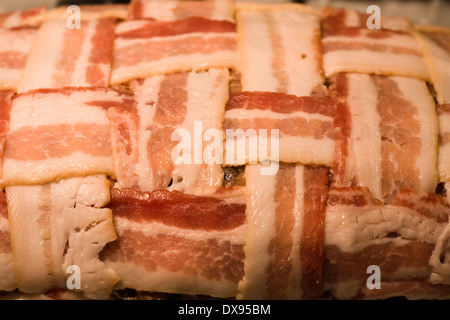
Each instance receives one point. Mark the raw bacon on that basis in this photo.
(141, 56)
(304, 124)
(65, 57)
(268, 58)
(285, 232)
(167, 253)
(145, 140)
(56, 134)
(391, 118)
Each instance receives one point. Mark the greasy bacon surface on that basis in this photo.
(177, 209)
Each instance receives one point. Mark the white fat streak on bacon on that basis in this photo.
(58, 122)
(16, 46)
(179, 9)
(437, 59)
(207, 93)
(268, 58)
(58, 225)
(163, 55)
(366, 136)
(265, 242)
(394, 53)
(61, 57)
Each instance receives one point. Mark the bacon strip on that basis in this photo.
(161, 253)
(164, 140)
(285, 230)
(304, 126)
(339, 18)
(399, 238)
(57, 226)
(393, 120)
(63, 57)
(16, 46)
(7, 280)
(382, 52)
(282, 65)
(140, 54)
(23, 18)
(58, 134)
(180, 9)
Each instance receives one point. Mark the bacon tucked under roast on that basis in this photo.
(387, 133)
(172, 242)
(143, 48)
(7, 279)
(149, 150)
(405, 239)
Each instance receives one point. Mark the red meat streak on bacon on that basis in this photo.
(284, 104)
(280, 266)
(5, 111)
(400, 131)
(342, 121)
(5, 241)
(12, 59)
(209, 258)
(102, 47)
(170, 112)
(135, 10)
(172, 28)
(281, 103)
(174, 208)
(56, 141)
(444, 136)
(154, 50)
(102, 53)
(312, 242)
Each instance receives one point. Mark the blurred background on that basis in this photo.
(435, 12)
